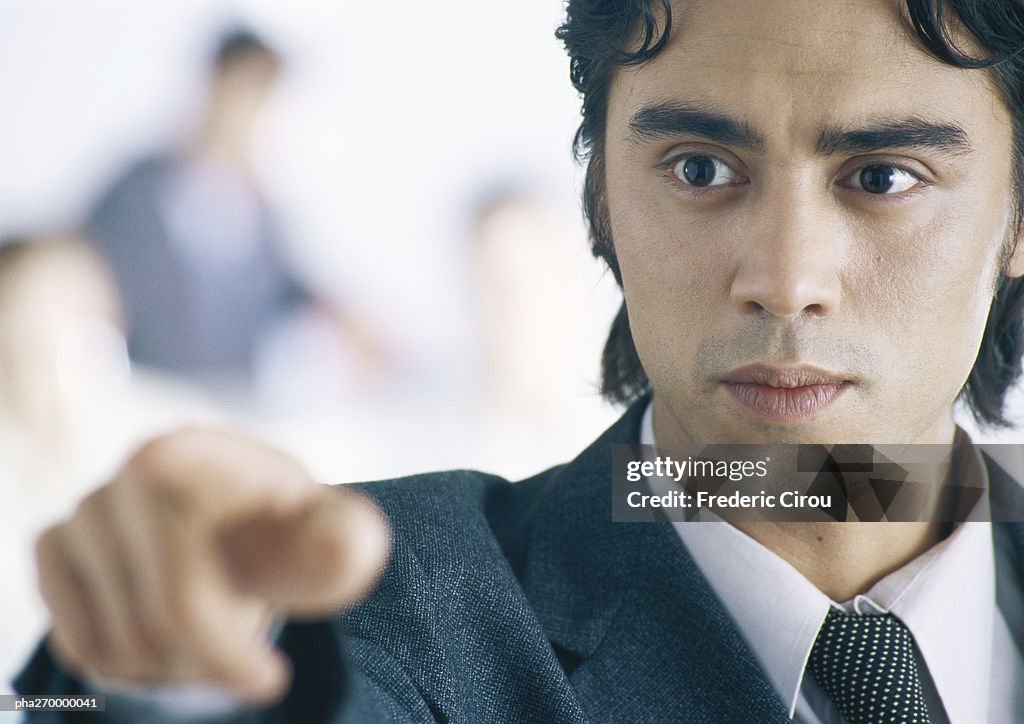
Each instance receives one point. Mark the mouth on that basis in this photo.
(785, 395)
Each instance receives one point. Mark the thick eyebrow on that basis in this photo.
(916, 133)
(664, 120)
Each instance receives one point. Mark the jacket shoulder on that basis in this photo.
(452, 595)
(458, 513)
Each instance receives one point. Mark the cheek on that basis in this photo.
(672, 271)
(932, 289)
(667, 257)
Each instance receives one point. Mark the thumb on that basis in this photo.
(312, 559)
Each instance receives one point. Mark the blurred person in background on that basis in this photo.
(193, 245)
(534, 288)
(69, 407)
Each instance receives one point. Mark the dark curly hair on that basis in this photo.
(602, 35)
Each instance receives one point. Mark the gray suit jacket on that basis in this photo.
(522, 603)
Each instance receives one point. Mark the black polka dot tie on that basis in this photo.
(866, 665)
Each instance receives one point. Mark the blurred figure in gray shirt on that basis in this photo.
(190, 239)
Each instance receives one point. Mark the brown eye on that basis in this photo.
(702, 171)
(882, 179)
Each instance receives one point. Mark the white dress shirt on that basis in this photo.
(971, 669)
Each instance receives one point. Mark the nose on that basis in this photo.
(789, 260)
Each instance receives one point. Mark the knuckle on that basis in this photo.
(157, 458)
(91, 508)
(165, 473)
(52, 565)
(172, 460)
(47, 547)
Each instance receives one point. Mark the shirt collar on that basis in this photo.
(945, 597)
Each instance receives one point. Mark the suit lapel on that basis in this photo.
(1006, 498)
(1007, 506)
(636, 625)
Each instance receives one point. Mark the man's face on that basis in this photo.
(809, 212)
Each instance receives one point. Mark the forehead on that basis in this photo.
(787, 66)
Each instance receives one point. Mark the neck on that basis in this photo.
(842, 559)
(221, 139)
